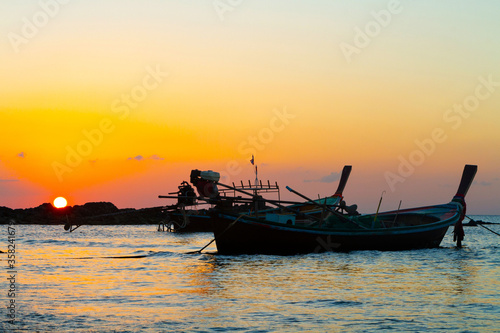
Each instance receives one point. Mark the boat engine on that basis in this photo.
(205, 182)
(186, 194)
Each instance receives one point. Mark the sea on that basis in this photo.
(138, 279)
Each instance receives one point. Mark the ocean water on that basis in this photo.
(134, 278)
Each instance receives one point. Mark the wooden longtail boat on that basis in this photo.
(182, 217)
(191, 214)
(290, 233)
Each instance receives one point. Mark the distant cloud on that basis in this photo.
(141, 158)
(332, 177)
(487, 182)
(8, 180)
(156, 157)
(21, 155)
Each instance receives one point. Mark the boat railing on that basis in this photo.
(255, 188)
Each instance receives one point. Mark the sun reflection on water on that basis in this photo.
(105, 278)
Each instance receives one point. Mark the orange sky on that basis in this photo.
(119, 101)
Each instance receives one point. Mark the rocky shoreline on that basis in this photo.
(91, 213)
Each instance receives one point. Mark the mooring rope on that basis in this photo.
(481, 225)
(489, 229)
(213, 240)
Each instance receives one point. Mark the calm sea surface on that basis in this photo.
(134, 278)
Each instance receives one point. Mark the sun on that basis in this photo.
(60, 202)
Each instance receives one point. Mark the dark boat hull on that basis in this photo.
(250, 239)
(252, 236)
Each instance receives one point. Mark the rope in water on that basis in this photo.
(481, 225)
(489, 229)
(213, 240)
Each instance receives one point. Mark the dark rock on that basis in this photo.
(89, 213)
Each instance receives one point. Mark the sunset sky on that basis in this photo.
(118, 100)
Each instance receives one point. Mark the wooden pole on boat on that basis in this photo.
(273, 202)
(395, 217)
(340, 216)
(376, 214)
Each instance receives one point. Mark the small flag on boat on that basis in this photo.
(252, 160)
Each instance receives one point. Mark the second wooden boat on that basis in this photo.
(286, 232)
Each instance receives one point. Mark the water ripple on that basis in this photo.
(133, 278)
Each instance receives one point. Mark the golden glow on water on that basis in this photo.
(76, 282)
